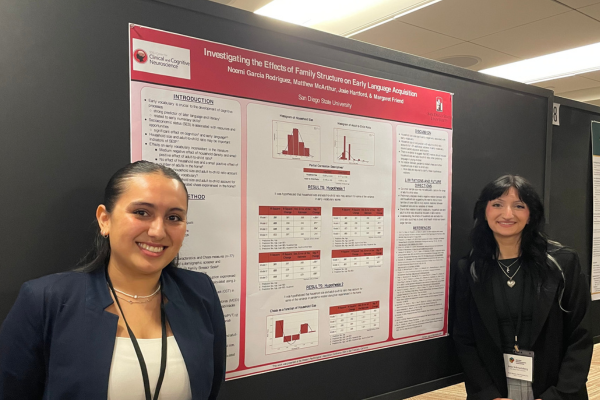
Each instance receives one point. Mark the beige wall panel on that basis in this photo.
(470, 19)
(406, 38)
(568, 84)
(592, 11)
(579, 3)
(561, 32)
(489, 58)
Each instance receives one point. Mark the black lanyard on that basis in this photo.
(138, 352)
(517, 328)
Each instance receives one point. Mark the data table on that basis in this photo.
(289, 222)
(327, 176)
(349, 258)
(357, 221)
(287, 265)
(353, 317)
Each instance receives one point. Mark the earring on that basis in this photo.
(105, 236)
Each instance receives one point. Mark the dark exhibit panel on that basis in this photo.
(571, 194)
(64, 113)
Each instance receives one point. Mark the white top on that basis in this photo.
(126, 382)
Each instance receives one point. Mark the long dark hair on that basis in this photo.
(534, 243)
(99, 254)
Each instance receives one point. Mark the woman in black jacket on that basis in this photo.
(520, 295)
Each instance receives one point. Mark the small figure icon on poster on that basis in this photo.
(438, 104)
(140, 56)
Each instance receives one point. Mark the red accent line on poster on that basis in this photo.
(356, 253)
(289, 256)
(325, 171)
(274, 210)
(234, 71)
(370, 305)
(354, 211)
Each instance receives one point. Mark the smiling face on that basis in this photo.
(147, 224)
(507, 215)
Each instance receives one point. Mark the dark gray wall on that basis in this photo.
(64, 118)
(571, 195)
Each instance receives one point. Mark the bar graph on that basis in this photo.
(296, 141)
(287, 332)
(353, 147)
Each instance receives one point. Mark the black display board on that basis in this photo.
(571, 194)
(64, 118)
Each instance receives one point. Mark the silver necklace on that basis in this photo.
(510, 282)
(135, 302)
(135, 296)
(508, 267)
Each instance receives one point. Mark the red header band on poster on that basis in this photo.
(370, 305)
(356, 253)
(325, 171)
(284, 256)
(268, 210)
(229, 70)
(357, 212)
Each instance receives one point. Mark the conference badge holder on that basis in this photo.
(519, 365)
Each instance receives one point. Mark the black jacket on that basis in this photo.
(562, 342)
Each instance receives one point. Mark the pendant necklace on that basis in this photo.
(136, 302)
(508, 266)
(511, 282)
(136, 298)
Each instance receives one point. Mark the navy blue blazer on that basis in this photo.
(57, 341)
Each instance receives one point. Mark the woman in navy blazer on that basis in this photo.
(58, 341)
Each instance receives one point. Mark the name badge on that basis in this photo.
(519, 366)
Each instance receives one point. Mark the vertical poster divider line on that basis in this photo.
(594, 259)
(244, 241)
(131, 141)
(449, 228)
(449, 216)
(393, 229)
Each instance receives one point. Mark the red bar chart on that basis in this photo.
(287, 332)
(354, 147)
(295, 146)
(304, 328)
(296, 141)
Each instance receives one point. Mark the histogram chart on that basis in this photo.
(353, 147)
(296, 141)
(287, 332)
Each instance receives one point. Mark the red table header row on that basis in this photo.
(356, 253)
(289, 256)
(357, 211)
(369, 305)
(268, 210)
(326, 171)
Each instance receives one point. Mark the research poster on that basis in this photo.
(595, 131)
(319, 199)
